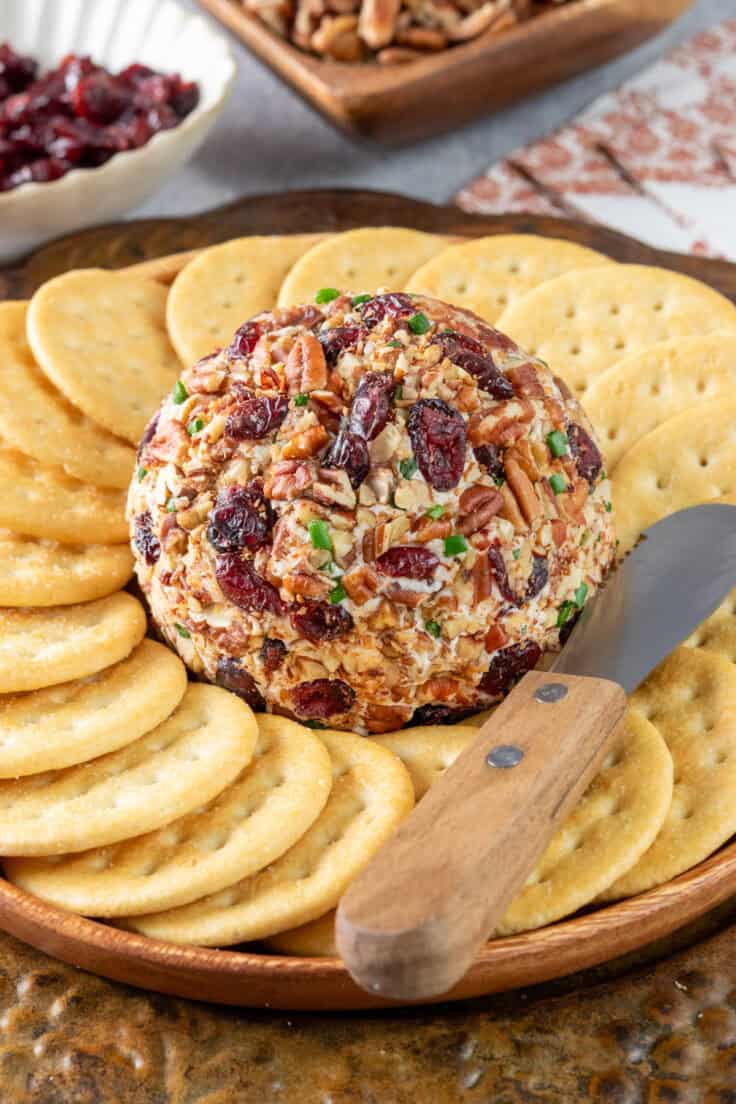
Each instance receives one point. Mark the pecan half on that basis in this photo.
(287, 479)
(511, 511)
(526, 381)
(478, 504)
(305, 444)
(360, 584)
(337, 37)
(306, 368)
(378, 21)
(523, 490)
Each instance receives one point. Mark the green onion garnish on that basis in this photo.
(435, 512)
(499, 480)
(584, 537)
(182, 631)
(326, 295)
(301, 400)
(580, 595)
(142, 473)
(398, 392)
(455, 545)
(516, 553)
(408, 467)
(171, 505)
(564, 613)
(433, 628)
(558, 484)
(395, 344)
(319, 534)
(337, 594)
(419, 323)
(557, 443)
(180, 393)
(609, 507)
(195, 426)
(358, 300)
(313, 724)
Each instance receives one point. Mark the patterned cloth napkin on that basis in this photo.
(655, 159)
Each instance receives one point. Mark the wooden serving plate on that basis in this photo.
(402, 103)
(245, 977)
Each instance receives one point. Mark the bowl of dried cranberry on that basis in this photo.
(100, 102)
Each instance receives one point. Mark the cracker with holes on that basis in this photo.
(43, 647)
(36, 572)
(691, 700)
(488, 275)
(44, 424)
(427, 750)
(263, 813)
(717, 634)
(226, 284)
(687, 460)
(641, 391)
(46, 502)
(583, 322)
(313, 940)
(177, 767)
(101, 338)
(616, 820)
(67, 724)
(371, 794)
(359, 260)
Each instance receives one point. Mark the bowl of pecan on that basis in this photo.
(98, 105)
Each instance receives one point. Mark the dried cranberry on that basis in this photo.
(350, 453)
(17, 71)
(245, 587)
(537, 577)
(233, 676)
(469, 354)
(507, 667)
(145, 539)
(161, 117)
(407, 561)
(372, 404)
(100, 98)
(75, 68)
(322, 698)
(438, 435)
(440, 714)
(567, 628)
(319, 621)
(336, 340)
(588, 459)
(242, 518)
(394, 304)
(149, 433)
(245, 340)
(256, 416)
(489, 457)
(500, 574)
(185, 98)
(39, 172)
(135, 74)
(273, 652)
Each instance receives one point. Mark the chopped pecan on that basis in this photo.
(369, 546)
(302, 585)
(521, 453)
(305, 444)
(427, 529)
(559, 532)
(329, 399)
(287, 479)
(388, 533)
(402, 597)
(306, 368)
(482, 579)
(572, 504)
(337, 37)
(467, 399)
(489, 429)
(478, 504)
(333, 489)
(492, 16)
(397, 55)
(385, 617)
(563, 388)
(441, 688)
(526, 381)
(495, 638)
(361, 584)
(385, 718)
(422, 38)
(378, 21)
(523, 489)
(511, 511)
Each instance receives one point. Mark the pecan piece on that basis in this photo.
(287, 479)
(378, 21)
(337, 37)
(526, 381)
(511, 511)
(478, 504)
(411, 598)
(305, 444)
(494, 639)
(306, 367)
(482, 579)
(428, 530)
(360, 584)
(299, 584)
(523, 490)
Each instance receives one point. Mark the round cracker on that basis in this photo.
(581, 323)
(642, 391)
(44, 424)
(359, 260)
(101, 338)
(371, 794)
(177, 767)
(313, 940)
(263, 813)
(226, 284)
(75, 721)
(613, 824)
(36, 572)
(717, 634)
(691, 699)
(685, 461)
(46, 502)
(427, 750)
(43, 647)
(488, 275)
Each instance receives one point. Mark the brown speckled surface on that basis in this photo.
(630, 1033)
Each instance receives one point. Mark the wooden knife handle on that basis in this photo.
(412, 921)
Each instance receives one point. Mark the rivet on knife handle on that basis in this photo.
(411, 923)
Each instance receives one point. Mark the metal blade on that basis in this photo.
(673, 580)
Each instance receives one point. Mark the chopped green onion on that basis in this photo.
(337, 594)
(603, 476)
(195, 426)
(171, 505)
(558, 484)
(395, 344)
(182, 631)
(584, 537)
(398, 392)
(433, 628)
(408, 467)
(557, 443)
(142, 473)
(319, 534)
(419, 323)
(580, 595)
(358, 300)
(326, 295)
(455, 545)
(609, 507)
(564, 613)
(516, 553)
(301, 400)
(499, 480)
(435, 512)
(313, 724)
(180, 393)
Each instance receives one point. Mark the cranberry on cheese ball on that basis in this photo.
(369, 512)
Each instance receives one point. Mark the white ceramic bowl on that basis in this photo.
(115, 33)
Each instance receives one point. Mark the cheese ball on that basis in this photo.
(369, 512)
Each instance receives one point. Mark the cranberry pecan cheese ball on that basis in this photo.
(368, 512)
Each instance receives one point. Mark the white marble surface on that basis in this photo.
(269, 140)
